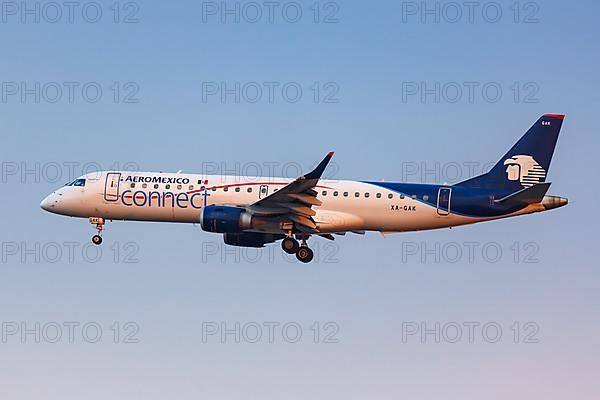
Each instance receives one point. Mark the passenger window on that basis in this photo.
(401, 196)
(425, 197)
(167, 186)
(324, 192)
(202, 187)
(367, 194)
(335, 194)
(225, 189)
(191, 187)
(144, 186)
(356, 194)
(178, 187)
(132, 185)
(414, 196)
(237, 189)
(156, 186)
(249, 190)
(214, 188)
(345, 194)
(390, 196)
(378, 195)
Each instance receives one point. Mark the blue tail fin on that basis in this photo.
(527, 162)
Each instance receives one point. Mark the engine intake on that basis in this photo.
(224, 219)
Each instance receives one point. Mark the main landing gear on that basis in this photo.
(302, 251)
(99, 222)
(290, 245)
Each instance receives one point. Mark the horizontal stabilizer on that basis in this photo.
(530, 195)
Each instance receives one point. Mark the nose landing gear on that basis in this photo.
(97, 239)
(99, 222)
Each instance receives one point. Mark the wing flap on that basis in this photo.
(301, 209)
(274, 210)
(302, 220)
(306, 199)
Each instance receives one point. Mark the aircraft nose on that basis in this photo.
(49, 202)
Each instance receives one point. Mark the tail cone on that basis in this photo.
(550, 202)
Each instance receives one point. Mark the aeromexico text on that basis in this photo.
(153, 198)
(157, 179)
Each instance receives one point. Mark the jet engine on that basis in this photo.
(224, 219)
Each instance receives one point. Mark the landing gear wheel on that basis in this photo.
(290, 245)
(304, 254)
(99, 222)
(97, 240)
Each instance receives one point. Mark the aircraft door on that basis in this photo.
(443, 201)
(111, 186)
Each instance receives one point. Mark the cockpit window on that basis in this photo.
(76, 182)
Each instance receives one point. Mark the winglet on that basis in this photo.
(318, 171)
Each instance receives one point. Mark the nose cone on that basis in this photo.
(49, 202)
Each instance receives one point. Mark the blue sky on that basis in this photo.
(369, 287)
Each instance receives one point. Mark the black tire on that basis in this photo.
(304, 254)
(97, 240)
(290, 245)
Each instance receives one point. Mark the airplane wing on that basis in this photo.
(294, 201)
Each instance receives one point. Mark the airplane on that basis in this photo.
(253, 212)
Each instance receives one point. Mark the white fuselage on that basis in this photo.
(167, 197)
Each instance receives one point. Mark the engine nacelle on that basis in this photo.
(224, 219)
(250, 239)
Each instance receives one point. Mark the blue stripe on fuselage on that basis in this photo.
(468, 202)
